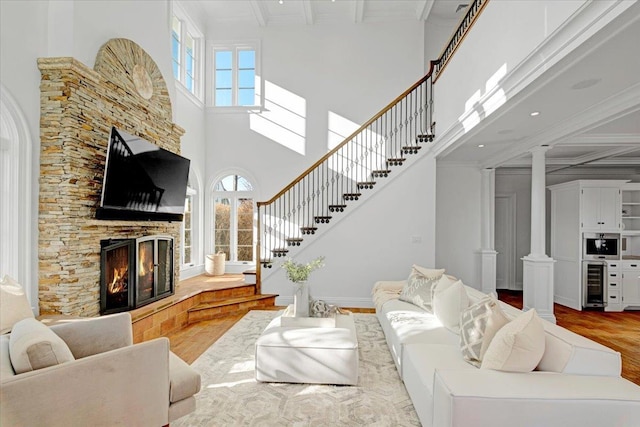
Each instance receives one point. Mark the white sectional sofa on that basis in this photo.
(577, 382)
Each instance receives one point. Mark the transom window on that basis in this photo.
(233, 218)
(235, 76)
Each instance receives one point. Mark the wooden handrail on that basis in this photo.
(353, 135)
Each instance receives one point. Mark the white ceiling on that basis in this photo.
(580, 100)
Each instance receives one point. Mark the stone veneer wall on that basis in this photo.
(78, 108)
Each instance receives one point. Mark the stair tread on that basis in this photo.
(230, 301)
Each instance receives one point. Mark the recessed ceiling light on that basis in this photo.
(585, 84)
(535, 113)
(480, 145)
(280, 1)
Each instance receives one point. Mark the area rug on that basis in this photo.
(231, 396)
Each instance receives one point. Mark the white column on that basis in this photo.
(488, 255)
(538, 267)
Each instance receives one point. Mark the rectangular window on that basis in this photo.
(188, 230)
(190, 63)
(234, 77)
(176, 31)
(223, 226)
(245, 230)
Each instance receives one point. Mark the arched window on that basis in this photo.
(233, 218)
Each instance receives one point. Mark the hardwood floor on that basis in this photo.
(619, 331)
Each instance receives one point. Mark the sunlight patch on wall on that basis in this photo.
(477, 109)
(283, 119)
(366, 151)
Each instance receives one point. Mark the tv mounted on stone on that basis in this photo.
(142, 182)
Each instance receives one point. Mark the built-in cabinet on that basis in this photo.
(600, 208)
(630, 283)
(577, 207)
(614, 286)
(631, 209)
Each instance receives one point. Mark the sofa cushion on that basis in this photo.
(417, 289)
(518, 346)
(32, 345)
(448, 302)
(6, 369)
(14, 305)
(478, 325)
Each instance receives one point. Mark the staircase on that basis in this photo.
(222, 302)
(343, 175)
(353, 168)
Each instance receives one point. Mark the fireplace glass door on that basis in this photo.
(117, 276)
(155, 269)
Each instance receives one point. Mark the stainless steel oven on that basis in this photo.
(594, 284)
(596, 246)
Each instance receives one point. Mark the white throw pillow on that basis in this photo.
(417, 290)
(478, 325)
(14, 305)
(32, 345)
(518, 346)
(448, 302)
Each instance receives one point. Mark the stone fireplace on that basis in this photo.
(78, 107)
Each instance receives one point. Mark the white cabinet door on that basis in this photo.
(590, 208)
(631, 287)
(600, 208)
(610, 208)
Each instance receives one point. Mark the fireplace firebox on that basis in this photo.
(135, 272)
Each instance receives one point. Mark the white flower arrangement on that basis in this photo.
(297, 272)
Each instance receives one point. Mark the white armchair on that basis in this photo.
(110, 382)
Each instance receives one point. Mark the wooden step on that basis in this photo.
(337, 208)
(250, 277)
(351, 196)
(293, 241)
(308, 230)
(245, 290)
(382, 173)
(365, 185)
(279, 252)
(411, 149)
(398, 161)
(216, 309)
(322, 219)
(428, 137)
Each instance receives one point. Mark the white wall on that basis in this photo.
(458, 223)
(377, 238)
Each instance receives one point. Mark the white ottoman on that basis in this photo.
(308, 354)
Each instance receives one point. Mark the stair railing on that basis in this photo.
(353, 166)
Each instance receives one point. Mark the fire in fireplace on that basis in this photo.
(135, 272)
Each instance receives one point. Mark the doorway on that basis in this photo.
(505, 241)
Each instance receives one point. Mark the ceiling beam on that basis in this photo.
(423, 9)
(307, 8)
(358, 11)
(259, 12)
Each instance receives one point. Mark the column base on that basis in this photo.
(488, 260)
(538, 285)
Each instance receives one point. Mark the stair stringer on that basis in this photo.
(273, 279)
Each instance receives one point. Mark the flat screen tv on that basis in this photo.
(142, 182)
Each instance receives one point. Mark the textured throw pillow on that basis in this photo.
(417, 290)
(478, 325)
(14, 305)
(448, 303)
(518, 346)
(32, 345)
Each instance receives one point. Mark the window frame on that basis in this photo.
(235, 197)
(188, 29)
(234, 47)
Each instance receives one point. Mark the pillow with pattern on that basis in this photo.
(417, 290)
(478, 325)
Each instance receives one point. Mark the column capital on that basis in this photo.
(539, 149)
